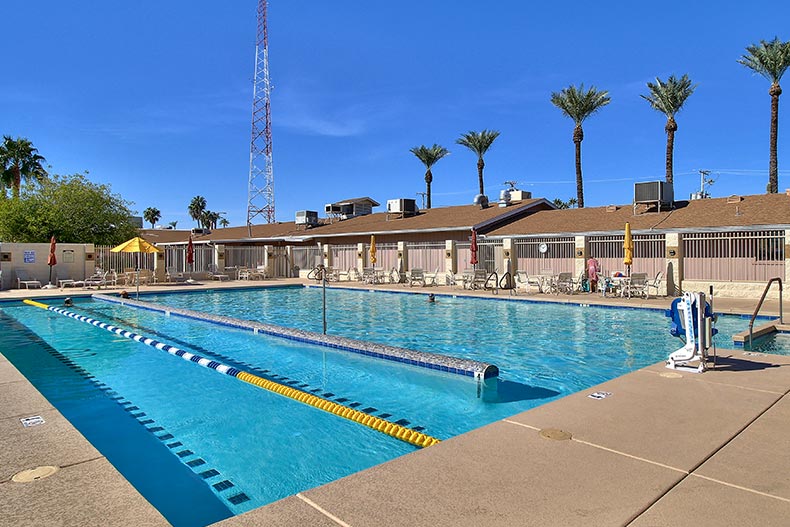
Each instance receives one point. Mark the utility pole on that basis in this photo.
(260, 190)
(703, 180)
(422, 194)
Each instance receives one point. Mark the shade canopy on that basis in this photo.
(372, 249)
(628, 246)
(136, 245)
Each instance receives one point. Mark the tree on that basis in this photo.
(579, 105)
(173, 224)
(19, 161)
(429, 156)
(72, 208)
(224, 222)
(571, 203)
(196, 209)
(668, 98)
(771, 60)
(479, 143)
(152, 215)
(209, 219)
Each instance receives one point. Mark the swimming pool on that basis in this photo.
(221, 427)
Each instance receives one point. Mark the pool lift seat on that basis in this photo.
(691, 315)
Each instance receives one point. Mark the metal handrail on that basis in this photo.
(509, 283)
(760, 304)
(495, 276)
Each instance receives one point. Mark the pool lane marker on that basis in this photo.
(376, 423)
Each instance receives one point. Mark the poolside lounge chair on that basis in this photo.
(98, 279)
(564, 284)
(655, 283)
(479, 279)
(24, 279)
(525, 281)
(430, 278)
(214, 273)
(396, 276)
(416, 276)
(636, 286)
(174, 275)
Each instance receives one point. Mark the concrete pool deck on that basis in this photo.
(665, 448)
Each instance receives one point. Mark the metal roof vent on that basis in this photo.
(481, 201)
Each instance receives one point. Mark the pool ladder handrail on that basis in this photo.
(760, 304)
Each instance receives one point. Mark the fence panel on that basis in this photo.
(386, 255)
(344, 256)
(118, 262)
(749, 256)
(558, 258)
(306, 257)
(489, 252)
(426, 255)
(649, 253)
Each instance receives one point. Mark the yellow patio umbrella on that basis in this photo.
(628, 245)
(136, 245)
(372, 250)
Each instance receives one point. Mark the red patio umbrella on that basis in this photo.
(190, 254)
(51, 259)
(473, 248)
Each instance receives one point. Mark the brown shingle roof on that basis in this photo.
(750, 211)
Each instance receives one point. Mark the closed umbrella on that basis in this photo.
(51, 261)
(628, 246)
(190, 256)
(136, 245)
(473, 248)
(372, 250)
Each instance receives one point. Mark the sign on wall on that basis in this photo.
(30, 257)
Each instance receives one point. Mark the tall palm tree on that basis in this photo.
(19, 160)
(668, 98)
(196, 209)
(579, 105)
(152, 215)
(771, 60)
(429, 156)
(479, 143)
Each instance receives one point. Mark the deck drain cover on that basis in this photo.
(555, 433)
(33, 474)
(671, 375)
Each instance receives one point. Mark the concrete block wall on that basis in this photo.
(76, 261)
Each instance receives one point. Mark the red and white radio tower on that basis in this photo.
(260, 193)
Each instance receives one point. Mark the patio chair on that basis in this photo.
(417, 276)
(430, 278)
(636, 286)
(24, 279)
(524, 281)
(564, 284)
(479, 279)
(655, 283)
(397, 277)
(98, 279)
(368, 275)
(467, 277)
(214, 273)
(174, 275)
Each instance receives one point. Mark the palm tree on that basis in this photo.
(196, 209)
(224, 222)
(429, 156)
(173, 224)
(19, 160)
(668, 98)
(210, 219)
(479, 143)
(579, 105)
(152, 215)
(771, 60)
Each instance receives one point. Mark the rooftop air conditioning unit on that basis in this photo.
(402, 206)
(331, 208)
(653, 192)
(306, 217)
(201, 231)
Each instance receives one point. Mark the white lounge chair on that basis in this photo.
(24, 279)
(214, 273)
(636, 286)
(655, 283)
(524, 282)
(174, 275)
(430, 278)
(416, 276)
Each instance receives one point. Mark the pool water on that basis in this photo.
(212, 440)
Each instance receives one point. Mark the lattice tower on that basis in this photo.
(260, 194)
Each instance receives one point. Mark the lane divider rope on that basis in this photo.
(376, 423)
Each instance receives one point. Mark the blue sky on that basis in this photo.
(154, 98)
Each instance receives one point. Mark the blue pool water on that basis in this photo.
(212, 440)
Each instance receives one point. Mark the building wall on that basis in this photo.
(76, 261)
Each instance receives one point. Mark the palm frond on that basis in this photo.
(668, 97)
(579, 104)
(479, 143)
(769, 59)
(429, 155)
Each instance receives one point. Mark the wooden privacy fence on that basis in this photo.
(753, 256)
(649, 253)
(426, 255)
(557, 258)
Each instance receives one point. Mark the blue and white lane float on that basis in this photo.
(382, 425)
